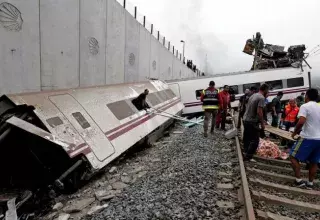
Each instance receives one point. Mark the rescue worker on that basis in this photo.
(224, 104)
(140, 102)
(300, 99)
(291, 112)
(210, 100)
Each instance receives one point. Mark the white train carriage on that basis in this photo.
(291, 81)
(69, 127)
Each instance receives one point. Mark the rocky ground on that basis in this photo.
(182, 176)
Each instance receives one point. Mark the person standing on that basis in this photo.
(291, 112)
(300, 99)
(210, 100)
(307, 148)
(242, 106)
(253, 117)
(224, 104)
(276, 109)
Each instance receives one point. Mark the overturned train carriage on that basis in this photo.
(64, 136)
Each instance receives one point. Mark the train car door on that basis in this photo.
(84, 124)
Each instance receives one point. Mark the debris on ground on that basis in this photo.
(269, 149)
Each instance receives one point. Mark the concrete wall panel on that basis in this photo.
(154, 58)
(93, 42)
(131, 57)
(144, 54)
(115, 42)
(59, 28)
(19, 47)
(166, 59)
(177, 69)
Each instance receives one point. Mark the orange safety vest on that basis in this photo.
(291, 114)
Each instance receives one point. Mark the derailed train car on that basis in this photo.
(65, 136)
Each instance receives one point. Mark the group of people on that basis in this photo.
(215, 105)
(304, 117)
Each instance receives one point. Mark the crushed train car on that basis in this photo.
(65, 136)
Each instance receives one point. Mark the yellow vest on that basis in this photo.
(204, 107)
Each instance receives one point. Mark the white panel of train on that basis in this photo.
(93, 125)
(291, 81)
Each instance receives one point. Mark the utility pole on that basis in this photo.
(184, 47)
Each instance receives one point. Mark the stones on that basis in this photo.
(225, 204)
(106, 197)
(225, 174)
(113, 170)
(119, 185)
(126, 179)
(78, 205)
(226, 180)
(63, 216)
(142, 173)
(57, 206)
(96, 209)
(224, 186)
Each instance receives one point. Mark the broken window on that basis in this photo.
(163, 95)
(248, 86)
(54, 122)
(295, 82)
(198, 93)
(274, 85)
(81, 120)
(234, 90)
(153, 99)
(170, 94)
(121, 109)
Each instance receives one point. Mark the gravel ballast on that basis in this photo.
(180, 178)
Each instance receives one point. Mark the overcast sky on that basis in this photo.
(221, 28)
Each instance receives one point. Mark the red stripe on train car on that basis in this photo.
(143, 120)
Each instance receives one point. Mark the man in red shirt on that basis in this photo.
(224, 104)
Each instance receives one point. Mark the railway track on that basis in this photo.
(268, 191)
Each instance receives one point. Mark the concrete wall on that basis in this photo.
(59, 44)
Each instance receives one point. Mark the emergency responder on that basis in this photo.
(224, 104)
(210, 100)
(291, 113)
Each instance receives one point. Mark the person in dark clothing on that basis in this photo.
(276, 109)
(253, 118)
(300, 99)
(140, 102)
(243, 103)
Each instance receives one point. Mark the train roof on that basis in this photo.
(228, 74)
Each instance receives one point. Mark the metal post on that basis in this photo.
(180, 56)
(164, 40)
(151, 29)
(169, 46)
(144, 21)
(173, 50)
(135, 12)
(309, 78)
(158, 35)
(124, 3)
(184, 47)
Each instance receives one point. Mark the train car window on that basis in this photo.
(234, 90)
(198, 93)
(81, 120)
(153, 99)
(54, 122)
(121, 109)
(163, 96)
(170, 94)
(248, 86)
(295, 82)
(276, 84)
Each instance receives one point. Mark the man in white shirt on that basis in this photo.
(307, 148)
